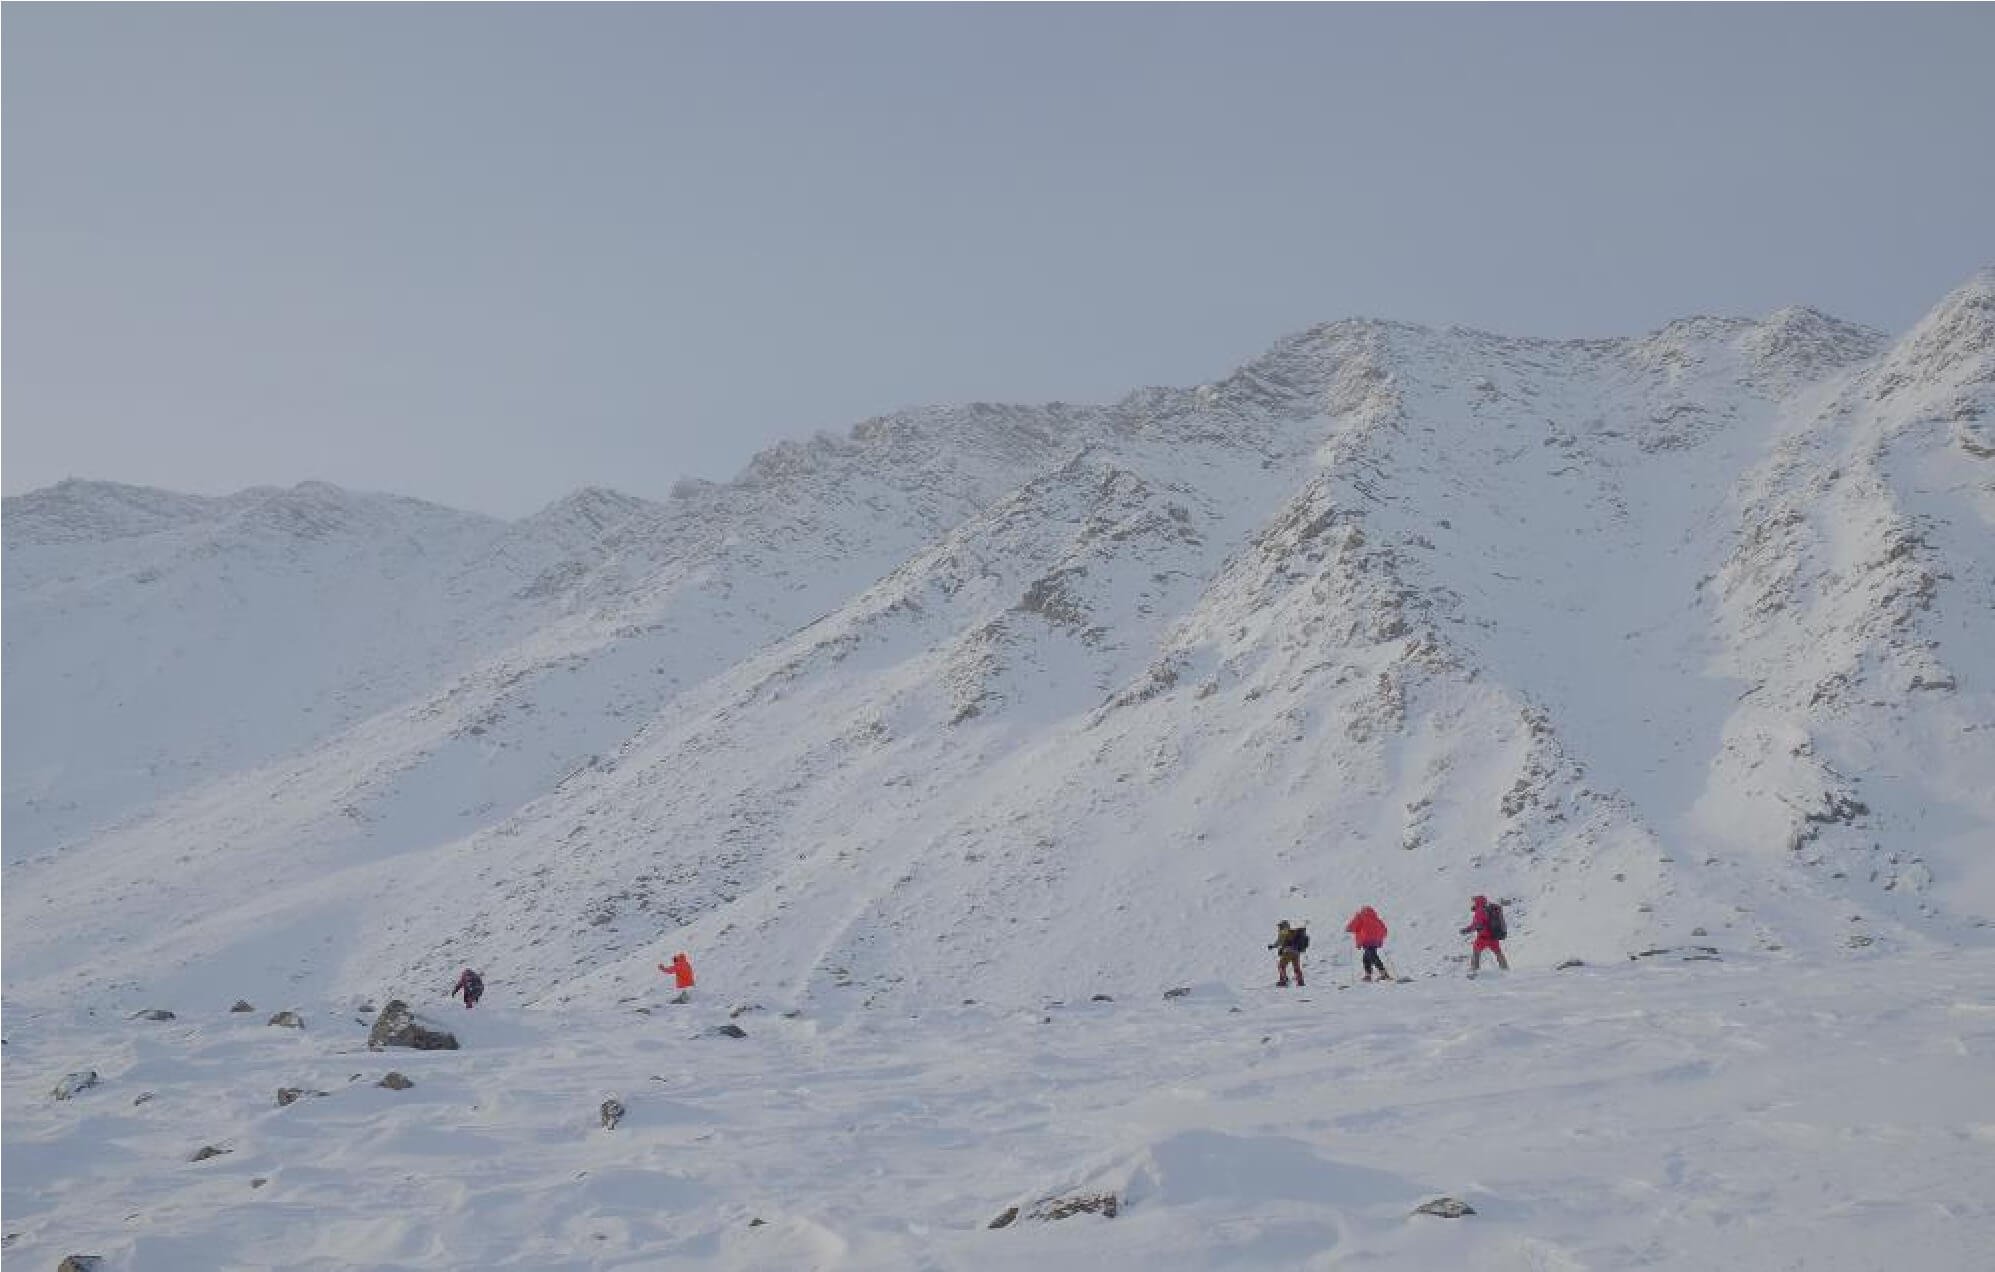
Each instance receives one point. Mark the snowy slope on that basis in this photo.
(1653, 634)
(1678, 643)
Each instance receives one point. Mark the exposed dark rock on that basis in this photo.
(758, 1222)
(1445, 1208)
(72, 1083)
(81, 1263)
(291, 1095)
(612, 1112)
(143, 1097)
(1101, 998)
(242, 1004)
(206, 1151)
(152, 1013)
(1182, 991)
(398, 1026)
(259, 1181)
(726, 1031)
(1107, 1205)
(1571, 962)
(395, 1082)
(288, 1019)
(1005, 1220)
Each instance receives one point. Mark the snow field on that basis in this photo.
(1657, 1114)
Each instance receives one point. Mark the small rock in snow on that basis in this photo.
(1180, 992)
(1004, 1220)
(73, 1082)
(1569, 963)
(291, 1095)
(81, 1263)
(288, 1019)
(242, 1004)
(152, 1013)
(612, 1113)
(395, 1082)
(1445, 1208)
(1048, 1209)
(726, 1031)
(206, 1151)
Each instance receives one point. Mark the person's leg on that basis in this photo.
(1501, 961)
(1298, 971)
(1475, 959)
(1281, 968)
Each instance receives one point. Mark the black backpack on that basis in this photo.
(1493, 914)
(1301, 940)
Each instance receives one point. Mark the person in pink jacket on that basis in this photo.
(1367, 929)
(1486, 921)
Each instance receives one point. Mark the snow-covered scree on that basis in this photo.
(1673, 640)
(1656, 1113)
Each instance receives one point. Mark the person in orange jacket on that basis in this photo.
(1368, 930)
(681, 970)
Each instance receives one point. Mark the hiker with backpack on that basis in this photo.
(1486, 921)
(471, 985)
(1289, 944)
(1367, 929)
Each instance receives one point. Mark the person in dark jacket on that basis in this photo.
(471, 985)
(1485, 938)
(1367, 929)
(1289, 944)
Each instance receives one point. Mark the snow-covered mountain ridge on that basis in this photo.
(1650, 635)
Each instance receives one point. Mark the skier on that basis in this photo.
(681, 970)
(471, 985)
(1367, 929)
(1486, 921)
(1289, 944)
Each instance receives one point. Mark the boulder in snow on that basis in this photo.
(74, 1082)
(1445, 1208)
(288, 1020)
(81, 1263)
(398, 1026)
(395, 1082)
(242, 1004)
(1046, 1210)
(291, 1095)
(726, 1031)
(152, 1013)
(206, 1151)
(612, 1113)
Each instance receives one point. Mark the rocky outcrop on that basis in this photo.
(288, 1020)
(399, 1026)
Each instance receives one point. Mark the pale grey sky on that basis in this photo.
(484, 255)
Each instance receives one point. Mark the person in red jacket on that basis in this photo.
(471, 985)
(1485, 936)
(1368, 930)
(681, 971)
